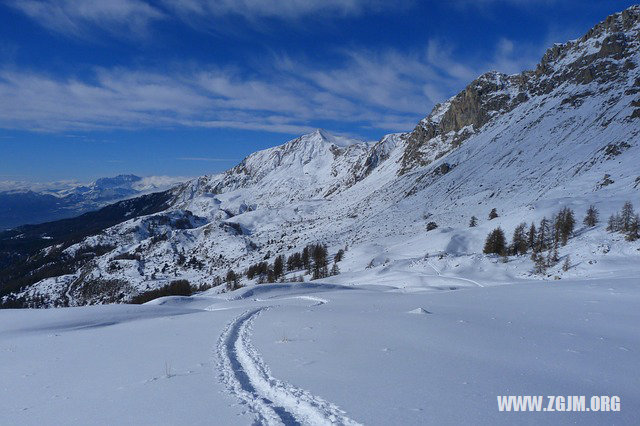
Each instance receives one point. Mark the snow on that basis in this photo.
(419, 327)
(64, 188)
(322, 354)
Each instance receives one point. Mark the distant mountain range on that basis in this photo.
(566, 134)
(24, 203)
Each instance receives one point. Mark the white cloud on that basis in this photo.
(388, 90)
(125, 18)
(132, 18)
(279, 9)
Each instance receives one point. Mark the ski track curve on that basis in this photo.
(272, 401)
(453, 278)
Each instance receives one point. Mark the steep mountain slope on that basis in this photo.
(22, 204)
(565, 134)
(313, 166)
(602, 60)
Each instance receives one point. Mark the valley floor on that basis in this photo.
(321, 353)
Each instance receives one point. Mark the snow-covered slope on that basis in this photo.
(313, 166)
(565, 134)
(320, 354)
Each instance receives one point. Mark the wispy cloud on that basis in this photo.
(279, 9)
(133, 18)
(82, 18)
(388, 90)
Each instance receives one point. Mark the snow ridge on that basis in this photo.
(272, 401)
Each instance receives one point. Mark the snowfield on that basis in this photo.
(415, 325)
(326, 354)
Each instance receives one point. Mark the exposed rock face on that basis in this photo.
(451, 123)
(604, 55)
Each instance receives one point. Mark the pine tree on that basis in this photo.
(567, 264)
(278, 267)
(564, 224)
(591, 218)
(294, 262)
(495, 242)
(319, 254)
(534, 254)
(335, 270)
(549, 261)
(232, 280)
(539, 264)
(338, 257)
(555, 257)
(614, 223)
(626, 216)
(634, 229)
(544, 235)
(473, 222)
(519, 243)
(532, 236)
(306, 258)
(493, 214)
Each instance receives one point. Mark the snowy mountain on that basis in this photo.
(564, 134)
(28, 203)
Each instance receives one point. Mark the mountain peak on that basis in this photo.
(322, 133)
(120, 180)
(607, 55)
(324, 136)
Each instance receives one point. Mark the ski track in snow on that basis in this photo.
(273, 402)
(453, 278)
(318, 300)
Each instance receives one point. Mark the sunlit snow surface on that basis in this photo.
(315, 353)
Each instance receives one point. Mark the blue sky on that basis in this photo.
(92, 88)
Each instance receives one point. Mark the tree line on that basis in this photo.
(544, 239)
(547, 237)
(312, 260)
(626, 222)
